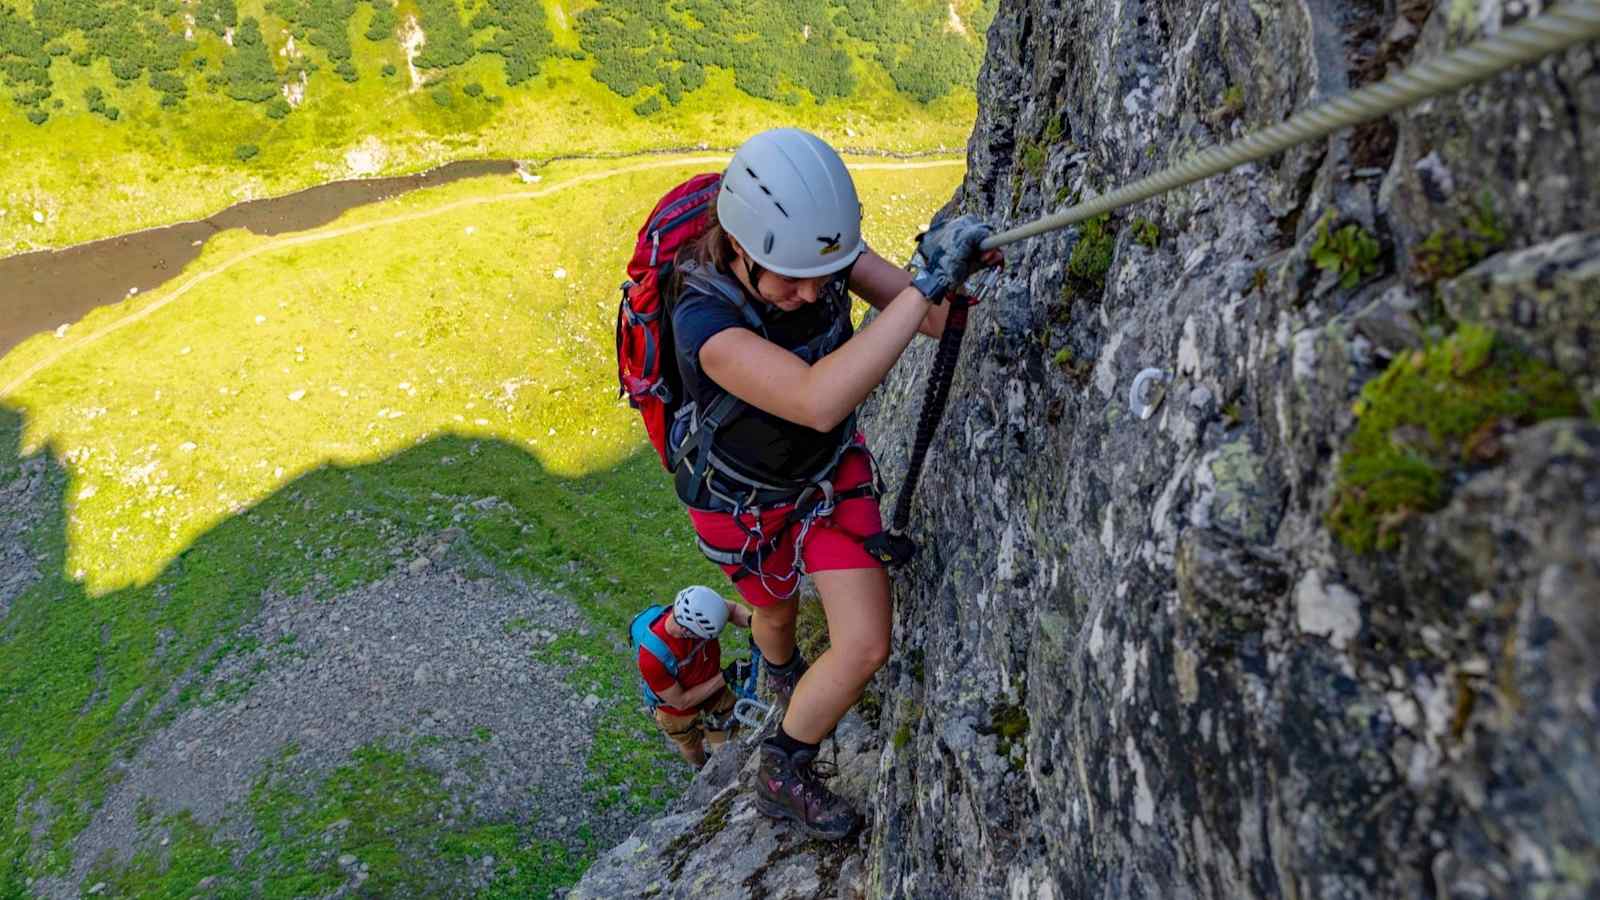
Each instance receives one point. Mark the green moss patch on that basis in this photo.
(1430, 416)
(1009, 723)
(1146, 233)
(1450, 251)
(1091, 255)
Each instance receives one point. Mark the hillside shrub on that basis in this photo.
(248, 69)
(325, 24)
(521, 36)
(775, 49)
(384, 21)
(449, 42)
(216, 16)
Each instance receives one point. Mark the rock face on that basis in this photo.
(1133, 659)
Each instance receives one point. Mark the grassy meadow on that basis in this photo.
(183, 144)
(282, 413)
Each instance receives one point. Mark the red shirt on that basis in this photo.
(698, 661)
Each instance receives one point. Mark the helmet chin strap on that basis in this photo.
(752, 269)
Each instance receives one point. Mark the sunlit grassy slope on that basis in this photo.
(282, 414)
(483, 308)
(87, 177)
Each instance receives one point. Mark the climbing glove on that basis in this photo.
(946, 254)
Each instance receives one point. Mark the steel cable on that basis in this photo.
(1551, 32)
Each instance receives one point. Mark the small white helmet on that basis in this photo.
(700, 611)
(788, 199)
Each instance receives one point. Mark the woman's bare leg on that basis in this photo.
(856, 602)
(773, 628)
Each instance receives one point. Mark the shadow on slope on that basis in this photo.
(86, 682)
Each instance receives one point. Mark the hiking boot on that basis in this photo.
(787, 788)
(782, 681)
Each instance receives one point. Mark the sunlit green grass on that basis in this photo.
(89, 177)
(289, 408)
(493, 318)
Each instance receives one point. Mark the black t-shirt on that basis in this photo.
(764, 446)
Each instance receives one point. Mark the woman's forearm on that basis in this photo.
(878, 281)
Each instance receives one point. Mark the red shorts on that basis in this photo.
(832, 542)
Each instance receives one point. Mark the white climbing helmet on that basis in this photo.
(700, 611)
(788, 199)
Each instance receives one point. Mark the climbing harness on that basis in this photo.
(749, 710)
(1548, 33)
(816, 501)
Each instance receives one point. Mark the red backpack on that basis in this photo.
(647, 365)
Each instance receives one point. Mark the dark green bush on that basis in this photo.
(648, 106)
(774, 47)
(449, 42)
(251, 77)
(217, 16)
(521, 36)
(246, 152)
(384, 21)
(171, 87)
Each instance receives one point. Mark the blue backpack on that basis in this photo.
(641, 637)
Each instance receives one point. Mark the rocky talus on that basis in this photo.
(1327, 622)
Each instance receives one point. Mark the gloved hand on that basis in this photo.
(946, 254)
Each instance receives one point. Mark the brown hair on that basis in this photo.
(712, 249)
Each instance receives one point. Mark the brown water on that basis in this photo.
(40, 291)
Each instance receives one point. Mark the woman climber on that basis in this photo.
(777, 478)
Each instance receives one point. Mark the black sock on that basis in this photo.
(789, 745)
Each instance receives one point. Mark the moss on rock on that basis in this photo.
(1091, 255)
(1432, 414)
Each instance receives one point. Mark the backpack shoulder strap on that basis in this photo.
(710, 281)
(642, 637)
(697, 444)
